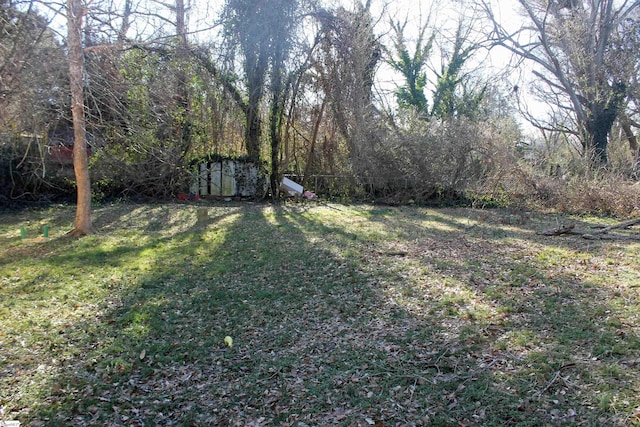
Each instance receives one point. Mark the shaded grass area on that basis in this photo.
(340, 315)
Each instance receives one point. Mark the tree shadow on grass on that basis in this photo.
(335, 322)
(556, 316)
(153, 352)
(39, 342)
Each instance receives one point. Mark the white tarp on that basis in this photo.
(293, 188)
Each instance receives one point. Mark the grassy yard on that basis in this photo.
(340, 315)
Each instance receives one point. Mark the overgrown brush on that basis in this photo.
(425, 160)
(155, 172)
(606, 194)
(531, 186)
(554, 175)
(27, 174)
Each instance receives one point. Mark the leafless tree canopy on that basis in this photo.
(572, 46)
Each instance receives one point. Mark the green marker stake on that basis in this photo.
(45, 231)
(23, 233)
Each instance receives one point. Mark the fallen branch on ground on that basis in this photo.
(554, 379)
(601, 234)
(623, 224)
(565, 229)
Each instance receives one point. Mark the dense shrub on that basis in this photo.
(27, 175)
(580, 189)
(156, 172)
(430, 160)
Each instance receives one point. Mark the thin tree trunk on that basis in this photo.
(253, 122)
(185, 125)
(277, 101)
(275, 146)
(83, 224)
(314, 139)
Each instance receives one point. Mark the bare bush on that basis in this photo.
(605, 193)
(529, 185)
(426, 160)
(158, 172)
(28, 173)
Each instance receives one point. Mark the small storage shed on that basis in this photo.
(228, 178)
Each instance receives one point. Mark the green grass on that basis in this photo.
(340, 315)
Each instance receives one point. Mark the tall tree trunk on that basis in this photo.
(184, 106)
(83, 224)
(598, 126)
(253, 128)
(600, 118)
(276, 121)
(124, 27)
(255, 82)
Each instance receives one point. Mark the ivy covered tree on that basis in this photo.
(452, 87)
(453, 96)
(263, 31)
(412, 67)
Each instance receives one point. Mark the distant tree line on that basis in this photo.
(298, 86)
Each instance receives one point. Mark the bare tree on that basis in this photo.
(569, 42)
(350, 55)
(626, 50)
(32, 68)
(75, 13)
